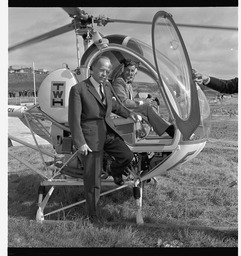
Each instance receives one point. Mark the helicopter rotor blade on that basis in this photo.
(206, 27)
(75, 12)
(80, 14)
(179, 25)
(53, 33)
(72, 11)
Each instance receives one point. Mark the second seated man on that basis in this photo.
(122, 85)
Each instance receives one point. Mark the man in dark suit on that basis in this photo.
(90, 105)
(223, 86)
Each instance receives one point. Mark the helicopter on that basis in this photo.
(164, 71)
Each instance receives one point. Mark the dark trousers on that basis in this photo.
(159, 124)
(93, 163)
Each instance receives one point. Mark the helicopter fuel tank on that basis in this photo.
(54, 92)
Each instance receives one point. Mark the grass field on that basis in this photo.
(195, 205)
(24, 81)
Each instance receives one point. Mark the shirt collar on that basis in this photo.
(127, 82)
(95, 83)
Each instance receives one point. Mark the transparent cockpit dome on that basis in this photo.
(204, 128)
(177, 82)
(174, 75)
(172, 66)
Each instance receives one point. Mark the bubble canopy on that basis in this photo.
(166, 63)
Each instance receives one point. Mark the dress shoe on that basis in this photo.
(118, 179)
(170, 130)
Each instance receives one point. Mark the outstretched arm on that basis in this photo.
(224, 86)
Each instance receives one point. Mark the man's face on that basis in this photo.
(129, 73)
(101, 70)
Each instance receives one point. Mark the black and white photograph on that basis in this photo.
(122, 127)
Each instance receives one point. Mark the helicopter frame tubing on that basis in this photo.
(53, 173)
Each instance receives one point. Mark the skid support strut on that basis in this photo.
(44, 197)
(137, 193)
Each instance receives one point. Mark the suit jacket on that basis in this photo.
(89, 118)
(224, 86)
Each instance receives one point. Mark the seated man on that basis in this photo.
(122, 85)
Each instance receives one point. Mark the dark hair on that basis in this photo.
(129, 62)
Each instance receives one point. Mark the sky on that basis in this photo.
(214, 52)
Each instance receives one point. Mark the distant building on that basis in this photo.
(16, 69)
(21, 69)
(28, 70)
(41, 71)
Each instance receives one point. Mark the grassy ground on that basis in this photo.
(193, 206)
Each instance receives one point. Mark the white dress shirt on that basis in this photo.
(97, 87)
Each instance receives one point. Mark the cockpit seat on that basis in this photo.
(131, 131)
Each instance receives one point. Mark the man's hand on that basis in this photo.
(84, 149)
(199, 78)
(153, 102)
(134, 116)
(149, 101)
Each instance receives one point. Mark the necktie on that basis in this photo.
(102, 96)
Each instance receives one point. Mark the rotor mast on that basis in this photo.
(85, 33)
(87, 41)
(83, 26)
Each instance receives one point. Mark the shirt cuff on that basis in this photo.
(207, 82)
